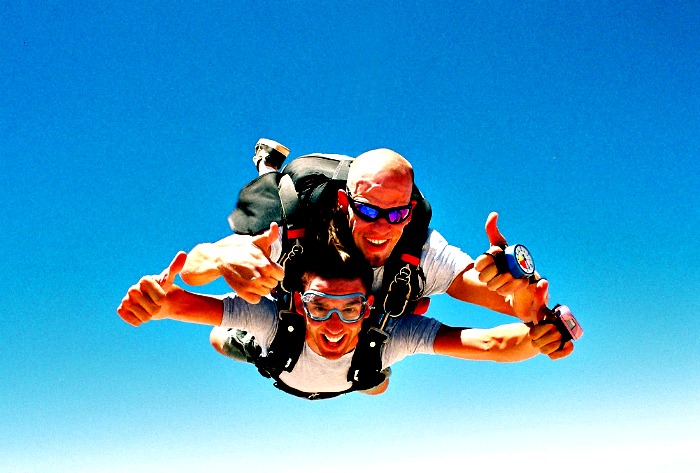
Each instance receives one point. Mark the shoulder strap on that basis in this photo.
(404, 280)
(285, 348)
(366, 366)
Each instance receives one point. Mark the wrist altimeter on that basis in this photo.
(565, 322)
(516, 260)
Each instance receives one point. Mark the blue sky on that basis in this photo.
(128, 127)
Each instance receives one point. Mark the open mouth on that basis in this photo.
(376, 242)
(333, 341)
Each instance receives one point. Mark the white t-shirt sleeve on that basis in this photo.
(259, 319)
(410, 335)
(441, 263)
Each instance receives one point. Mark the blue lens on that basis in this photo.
(367, 211)
(398, 216)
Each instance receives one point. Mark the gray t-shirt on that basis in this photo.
(411, 334)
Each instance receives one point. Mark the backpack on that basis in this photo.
(302, 198)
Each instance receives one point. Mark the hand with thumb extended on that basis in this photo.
(247, 266)
(147, 299)
(502, 283)
(544, 334)
(530, 303)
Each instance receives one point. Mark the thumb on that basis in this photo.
(492, 232)
(265, 240)
(167, 277)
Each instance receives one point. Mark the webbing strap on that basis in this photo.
(341, 172)
(286, 347)
(289, 200)
(366, 365)
(282, 386)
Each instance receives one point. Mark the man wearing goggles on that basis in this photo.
(333, 301)
(376, 207)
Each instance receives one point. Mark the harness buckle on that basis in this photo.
(402, 280)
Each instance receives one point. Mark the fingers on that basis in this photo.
(565, 351)
(271, 272)
(494, 235)
(501, 283)
(505, 284)
(142, 302)
(486, 260)
(249, 297)
(547, 339)
(249, 270)
(265, 240)
(249, 284)
(539, 296)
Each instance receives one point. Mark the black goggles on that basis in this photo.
(372, 213)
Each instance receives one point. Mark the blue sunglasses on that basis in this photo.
(372, 213)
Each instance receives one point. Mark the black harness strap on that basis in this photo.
(279, 384)
(366, 366)
(285, 348)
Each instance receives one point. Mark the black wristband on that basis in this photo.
(499, 259)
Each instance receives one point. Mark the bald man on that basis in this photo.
(377, 206)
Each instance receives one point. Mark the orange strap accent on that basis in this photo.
(296, 233)
(406, 258)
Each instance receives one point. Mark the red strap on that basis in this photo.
(296, 233)
(410, 259)
(422, 306)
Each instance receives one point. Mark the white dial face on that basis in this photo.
(524, 259)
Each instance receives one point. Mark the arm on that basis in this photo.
(483, 285)
(243, 260)
(468, 288)
(505, 343)
(525, 304)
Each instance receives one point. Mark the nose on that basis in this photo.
(381, 224)
(334, 321)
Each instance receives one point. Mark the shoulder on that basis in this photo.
(414, 330)
(238, 312)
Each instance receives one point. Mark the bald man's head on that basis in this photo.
(381, 178)
(379, 166)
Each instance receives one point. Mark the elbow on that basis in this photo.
(189, 277)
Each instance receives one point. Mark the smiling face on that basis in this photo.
(384, 179)
(332, 338)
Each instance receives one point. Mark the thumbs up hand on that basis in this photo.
(147, 299)
(246, 265)
(504, 283)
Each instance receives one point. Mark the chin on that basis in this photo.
(375, 259)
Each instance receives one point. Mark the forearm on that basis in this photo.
(467, 287)
(505, 343)
(201, 266)
(193, 308)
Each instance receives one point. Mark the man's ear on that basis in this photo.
(343, 200)
(298, 305)
(413, 206)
